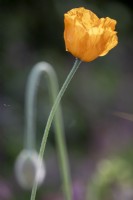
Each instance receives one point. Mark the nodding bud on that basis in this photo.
(29, 167)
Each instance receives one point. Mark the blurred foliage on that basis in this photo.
(113, 177)
(32, 31)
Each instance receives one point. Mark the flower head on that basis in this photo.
(87, 36)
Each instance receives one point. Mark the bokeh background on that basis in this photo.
(32, 31)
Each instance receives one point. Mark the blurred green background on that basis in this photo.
(32, 31)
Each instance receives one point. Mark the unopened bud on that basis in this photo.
(29, 168)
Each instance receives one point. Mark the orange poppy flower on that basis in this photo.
(87, 36)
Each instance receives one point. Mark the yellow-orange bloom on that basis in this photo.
(87, 36)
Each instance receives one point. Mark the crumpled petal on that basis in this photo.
(88, 37)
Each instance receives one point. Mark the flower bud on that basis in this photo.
(29, 168)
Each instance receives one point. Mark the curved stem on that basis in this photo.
(67, 188)
(31, 94)
(30, 102)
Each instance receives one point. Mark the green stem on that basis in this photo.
(31, 94)
(67, 188)
(30, 102)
